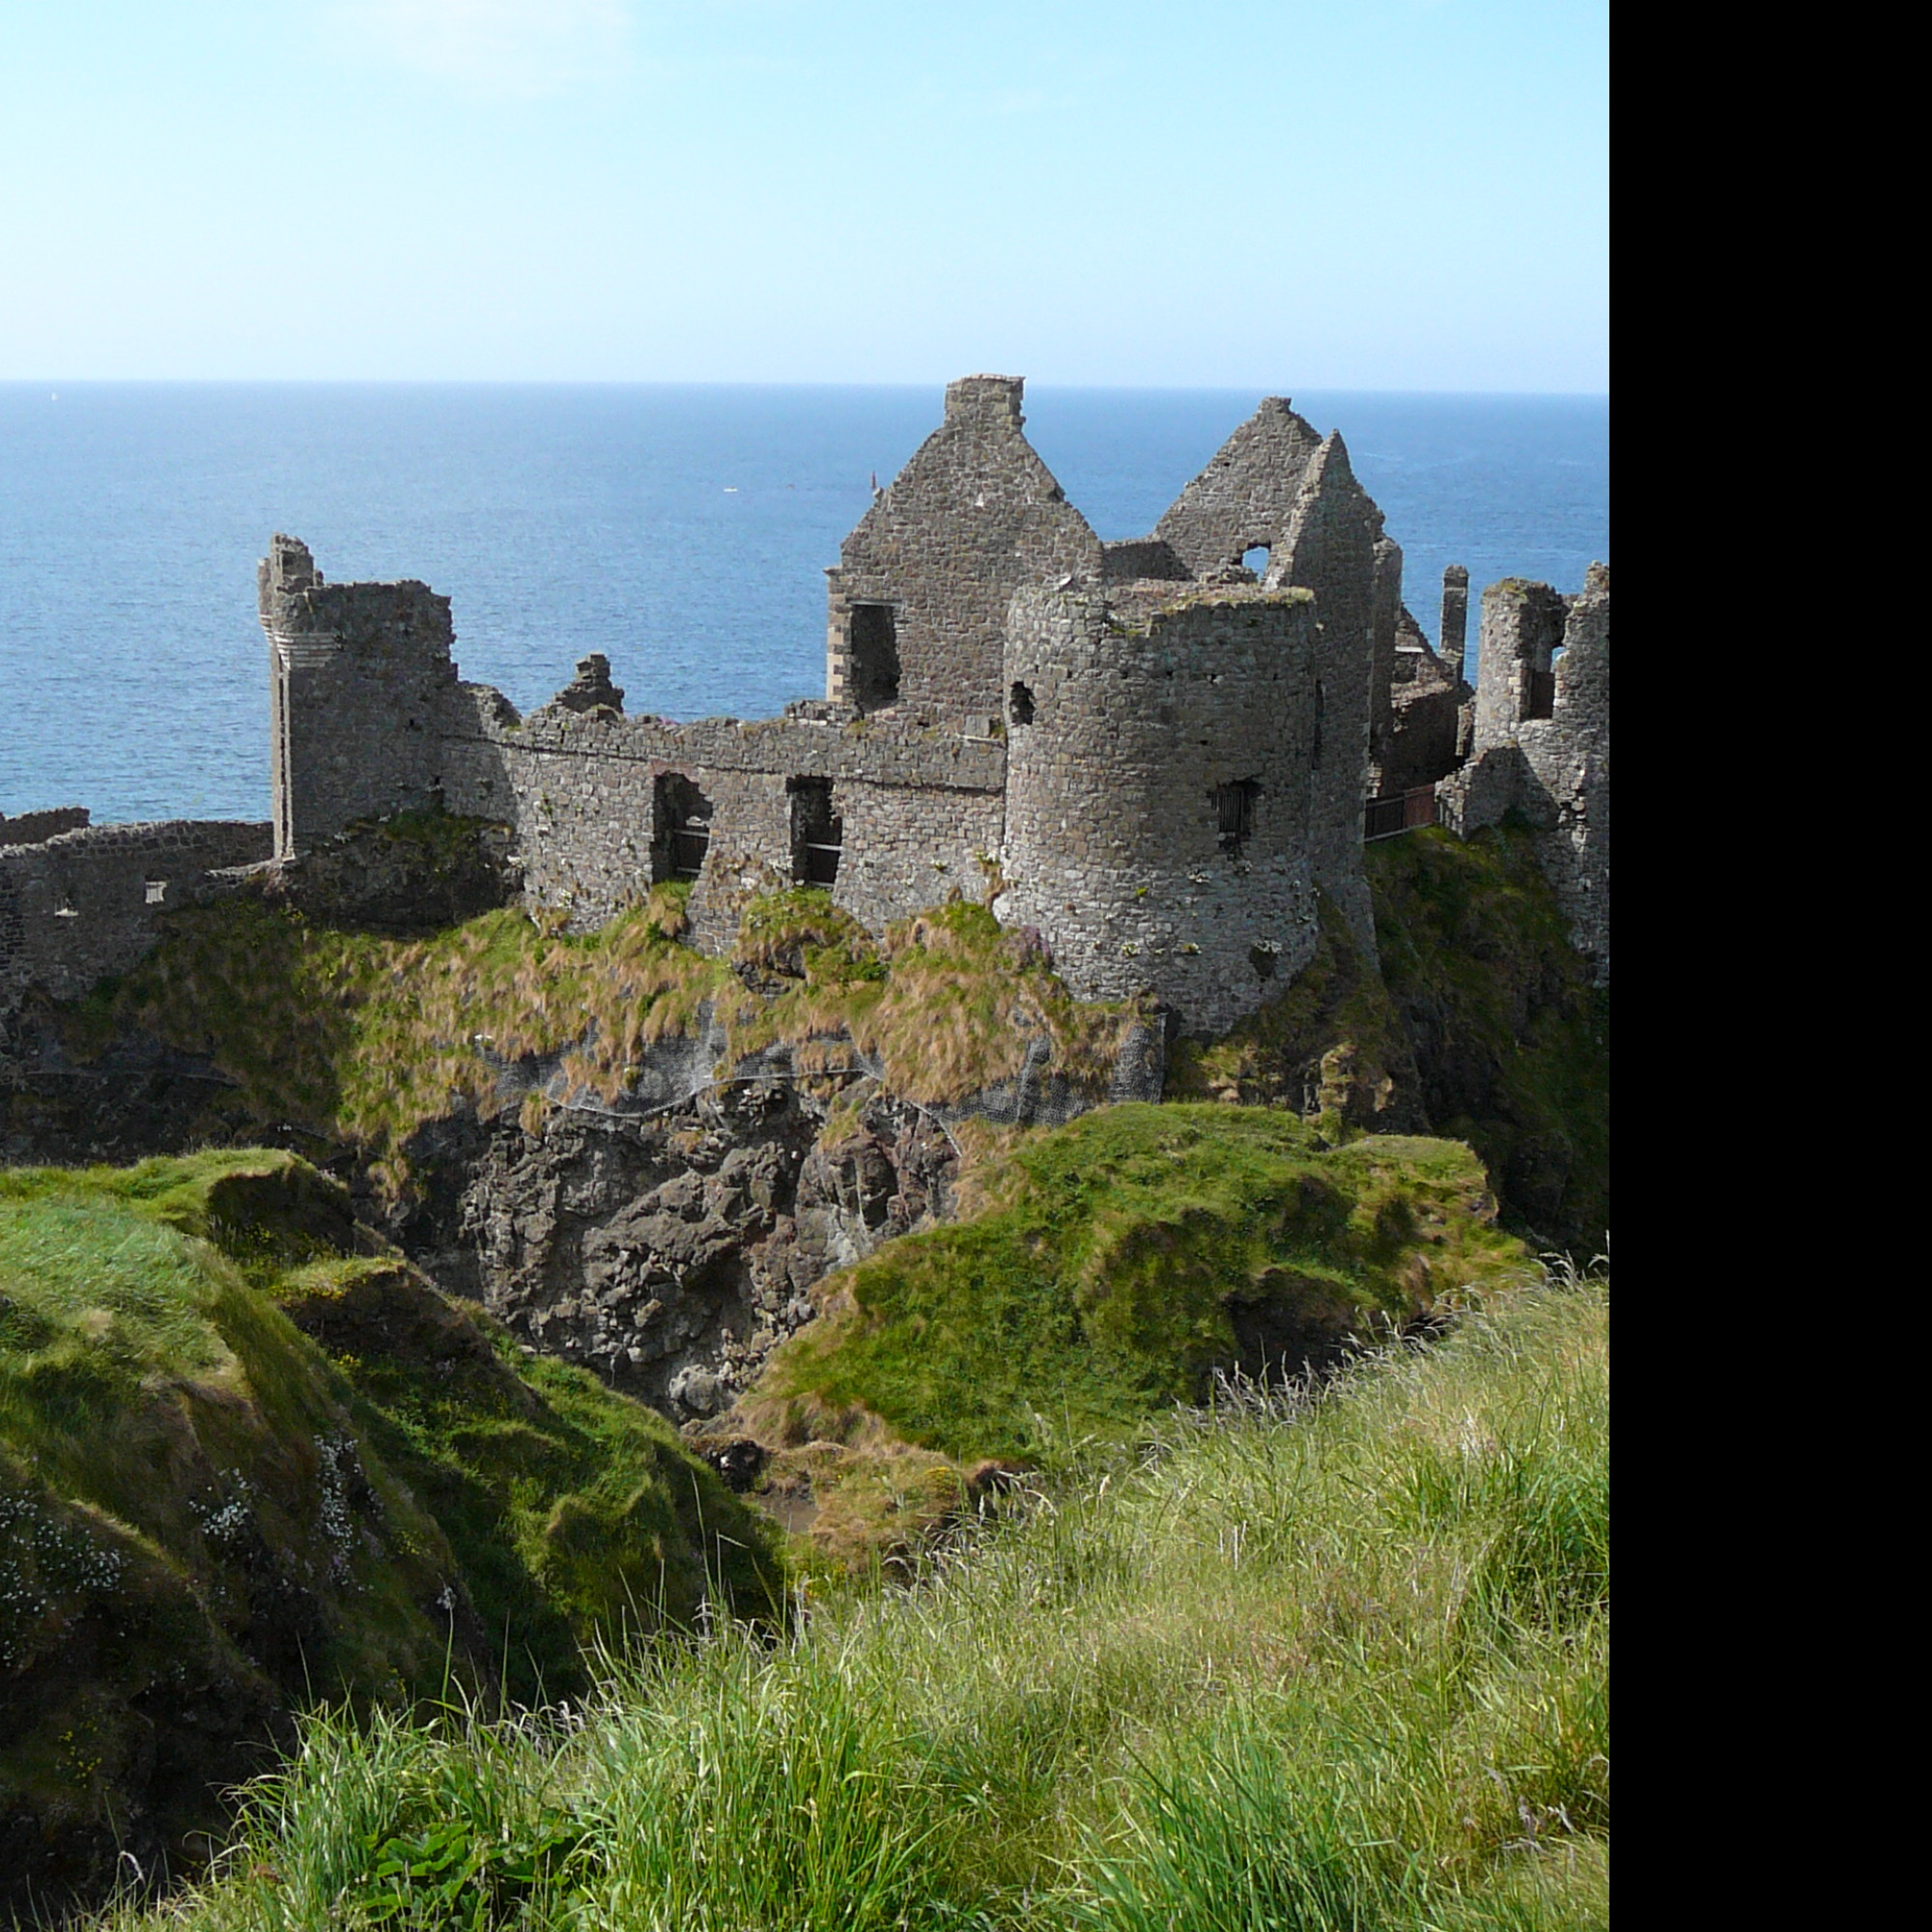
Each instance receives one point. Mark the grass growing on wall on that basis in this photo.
(1338, 1664)
(1124, 1256)
(354, 1036)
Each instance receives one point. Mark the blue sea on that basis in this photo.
(683, 531)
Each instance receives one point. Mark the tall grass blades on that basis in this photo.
(1332, 1659)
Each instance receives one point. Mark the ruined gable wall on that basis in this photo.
(84, 904)
(1114, 846)
(917, 805)
(1556, 770)
(972, 517)
(1329, 548)
(358, 677)
(1246, 494)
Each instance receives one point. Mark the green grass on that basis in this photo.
(1335, 1662)
(358, 1039)
(1127, 1256)
(1476, 952)
(243, 1467)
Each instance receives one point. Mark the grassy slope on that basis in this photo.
(358, 1037)
(1125, 1256)
(1513, 1039)
(1482, 1026)
(1339, 1665)
(188, 1484)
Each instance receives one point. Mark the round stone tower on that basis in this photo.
(1159, 753)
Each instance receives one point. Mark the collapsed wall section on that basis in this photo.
(918, 601)
(884, 814)
(1158, 794)
(1543, 743)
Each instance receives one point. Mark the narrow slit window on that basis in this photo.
(1234, 814)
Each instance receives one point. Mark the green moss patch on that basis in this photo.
(1333, 1047)
(1127, 1256)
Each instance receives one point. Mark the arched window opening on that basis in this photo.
(1019, 707)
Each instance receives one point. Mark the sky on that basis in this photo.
(1353, 194)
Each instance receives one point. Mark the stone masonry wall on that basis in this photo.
(30, 828)
(972, 517)
(1556, 770)
(82, 905)
(1247, 492)
(1329, 548)
(1123, 846)
(920, 807)
(359, 674)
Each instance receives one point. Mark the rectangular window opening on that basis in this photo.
(157, 892)
(1234, 813)
(875, 642)
(681, 834)
(817, 832)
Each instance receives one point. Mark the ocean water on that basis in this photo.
(683, 531)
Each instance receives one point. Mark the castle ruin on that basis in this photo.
(1155, 752)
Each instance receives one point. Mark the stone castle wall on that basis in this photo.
(916, 808)
(972, 517)
(358, 675)
(1246, 495)
(1543, 743)
(30, 828)
(1158, 802)
(1329, 548)
(81, 906)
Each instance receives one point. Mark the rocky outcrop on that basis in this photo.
(670, 1252)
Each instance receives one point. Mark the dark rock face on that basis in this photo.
(669, 1253)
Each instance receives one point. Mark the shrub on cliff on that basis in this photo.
(243, 1467)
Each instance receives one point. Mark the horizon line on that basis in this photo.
(745, 383)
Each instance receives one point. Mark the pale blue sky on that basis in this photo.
(1361, 194)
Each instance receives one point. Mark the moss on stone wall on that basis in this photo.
(1333, 1047)
(1481, 1024)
